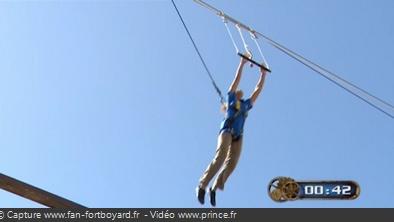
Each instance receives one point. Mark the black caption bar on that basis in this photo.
(118, 215)
(197, 214)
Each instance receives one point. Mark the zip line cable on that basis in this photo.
(222, 100)
(332, 76)
(373, 101)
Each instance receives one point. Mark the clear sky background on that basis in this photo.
(105, 102)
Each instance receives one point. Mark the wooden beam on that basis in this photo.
(35, 194)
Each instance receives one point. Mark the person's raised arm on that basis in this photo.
(238, 75)
(259, 86)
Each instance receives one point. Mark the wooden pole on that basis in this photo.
(35, 194)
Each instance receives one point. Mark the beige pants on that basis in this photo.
(226, 159)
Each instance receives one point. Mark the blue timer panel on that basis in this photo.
(328, 190)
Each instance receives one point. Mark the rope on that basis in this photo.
(243, 40)
(334, 78)
(254, 37)
(230, 34)
(222, 100)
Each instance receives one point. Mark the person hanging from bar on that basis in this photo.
(230, 136)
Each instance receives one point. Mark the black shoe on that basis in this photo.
(200, 195)
(212, 194)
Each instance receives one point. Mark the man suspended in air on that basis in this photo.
(230, 136)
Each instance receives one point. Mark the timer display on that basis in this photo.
(328, 190)
(283, 189)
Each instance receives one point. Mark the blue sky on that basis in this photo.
(105, 102)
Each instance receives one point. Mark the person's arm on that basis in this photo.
(238, 75)
(259, 86)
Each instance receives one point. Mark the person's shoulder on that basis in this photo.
(231, 93)
(248, 103)
(231, 96)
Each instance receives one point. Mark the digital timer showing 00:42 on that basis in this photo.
(344, 190)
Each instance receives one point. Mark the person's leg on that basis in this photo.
(229, 165)
(224, 141)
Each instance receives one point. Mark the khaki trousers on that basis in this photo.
(226, 159)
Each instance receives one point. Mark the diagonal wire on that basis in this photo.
(337, 80)
(222, 100)
(243, 40)
(254, 37)
(231, 35)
